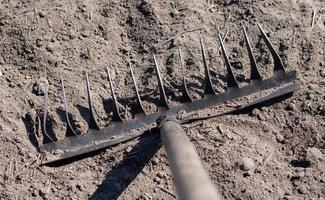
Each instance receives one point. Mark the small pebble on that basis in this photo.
(157, 180)
(174, 12)
(85, 33)
(128, 150)
(41, 14)
(287, 193)
(259, 169)
(18, 140)
(321, 109)
(41, 86)
(261, 117)
(250, 11)
(292, 107)
(50, 47)
(279, 138)
(39, 42)
(72, 35)
(302, 190)
(314, 156)
(199, 136)
(246, 164)
(311, 96)
(84, 55)
(255, 112)
(161, 174)
(155, 161)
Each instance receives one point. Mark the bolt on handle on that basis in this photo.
(190, 178)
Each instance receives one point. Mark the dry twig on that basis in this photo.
(266, 159)
(166, 191)
(181, 33)
(224, 37)
(313, 19)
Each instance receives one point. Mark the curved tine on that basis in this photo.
(185, 95)
(208, 87)
(255, 74)
(278, 64)
(116, 113)
(163, 99)
(232, 82)
(45, 116)
(92, 121)
(70, 131)
(139, 107)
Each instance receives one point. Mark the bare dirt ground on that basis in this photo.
(282, 146)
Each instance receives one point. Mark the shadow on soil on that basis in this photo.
(121, 175)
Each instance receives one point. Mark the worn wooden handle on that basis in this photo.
(191, 180)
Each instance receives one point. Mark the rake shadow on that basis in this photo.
(31, 131)
(108, 106)
(121, 175)
(62, 116)
(84, 112)
(49, 130)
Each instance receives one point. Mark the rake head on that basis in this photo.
(120, 130)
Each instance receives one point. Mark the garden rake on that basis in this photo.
(180, 151)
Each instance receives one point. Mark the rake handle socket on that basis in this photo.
(190, 178)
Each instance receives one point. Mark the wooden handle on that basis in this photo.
(191, 180)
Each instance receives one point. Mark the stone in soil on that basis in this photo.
(246, 164)
(279, 138)
(41, 86)
(314, 156)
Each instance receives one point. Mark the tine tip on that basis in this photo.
(260, 27)
(108, 71)
(219, 36)
(220, 40)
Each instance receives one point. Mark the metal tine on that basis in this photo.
(70, 131)
(278, 64)
(231, 80)
(92, 121)
(45, 117)
(163, 99)
(208, 87)
(255, 74)
(185, 94)
(116, 113)
(139, 107)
